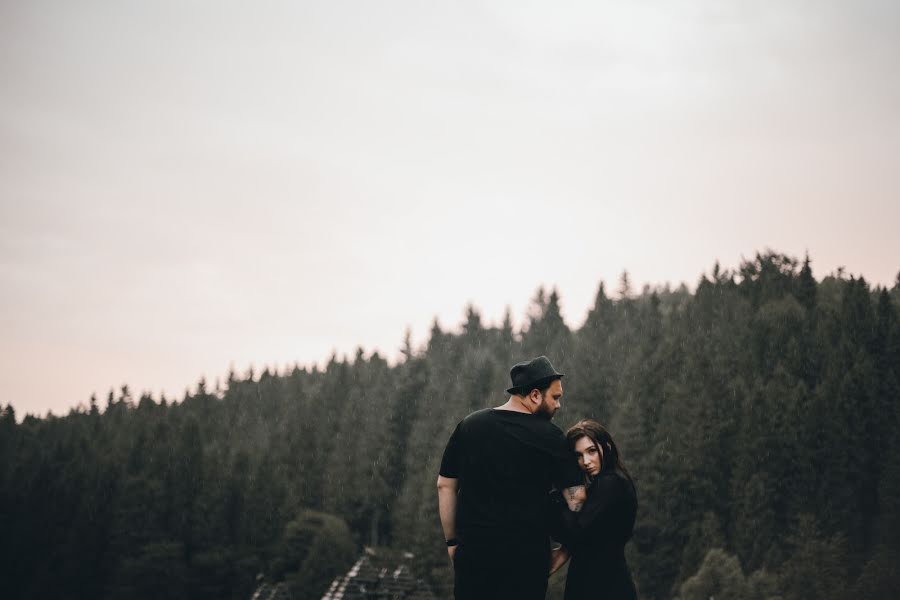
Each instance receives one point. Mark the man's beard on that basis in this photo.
(544, 411)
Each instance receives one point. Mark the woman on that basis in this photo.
(596, 537)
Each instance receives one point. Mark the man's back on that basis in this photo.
(496, 472)
(506, 462)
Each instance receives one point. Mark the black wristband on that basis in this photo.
(452, 542)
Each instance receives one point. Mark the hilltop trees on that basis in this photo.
(758, 415)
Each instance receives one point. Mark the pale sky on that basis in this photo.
(187, 185)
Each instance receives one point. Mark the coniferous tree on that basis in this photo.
(758, 415)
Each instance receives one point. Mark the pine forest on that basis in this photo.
(759, 415)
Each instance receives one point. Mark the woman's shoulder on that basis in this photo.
(612, 482)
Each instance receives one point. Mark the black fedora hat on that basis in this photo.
(531, 374)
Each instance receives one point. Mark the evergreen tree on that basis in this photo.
(758, 416)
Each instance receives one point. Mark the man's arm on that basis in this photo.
(575, 497)
(448, 489)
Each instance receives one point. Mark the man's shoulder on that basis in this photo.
(479, 414)
(473, 419)
(552, 427)
(493, 417)
(546, 428)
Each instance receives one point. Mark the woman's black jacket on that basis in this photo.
(596, 538)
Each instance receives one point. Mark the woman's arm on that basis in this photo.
(558, 558)
(594, 514)
(575, 497)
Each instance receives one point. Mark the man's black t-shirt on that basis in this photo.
(506, 463)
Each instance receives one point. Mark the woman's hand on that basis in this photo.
(558, 558)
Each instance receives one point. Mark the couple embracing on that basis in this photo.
(498, 512)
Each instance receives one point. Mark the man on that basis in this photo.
(497, 469)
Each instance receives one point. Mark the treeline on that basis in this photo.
(759, 416)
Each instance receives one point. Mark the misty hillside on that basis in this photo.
(758, 415)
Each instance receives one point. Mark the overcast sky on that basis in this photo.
(186, 185)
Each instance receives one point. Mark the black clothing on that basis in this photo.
(506, 462)
(497, 570)
(596, 538)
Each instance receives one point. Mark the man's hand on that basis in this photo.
(558, 558)
(451, 553)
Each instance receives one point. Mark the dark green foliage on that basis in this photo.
(880, 577)
(316, 547)
(758, 416)
(817, 566)
(720, 575)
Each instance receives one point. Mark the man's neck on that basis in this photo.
(514, 405)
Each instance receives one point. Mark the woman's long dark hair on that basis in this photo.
(604, 442)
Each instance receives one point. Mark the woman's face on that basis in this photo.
(590, 457)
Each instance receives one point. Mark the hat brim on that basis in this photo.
(537, 384)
